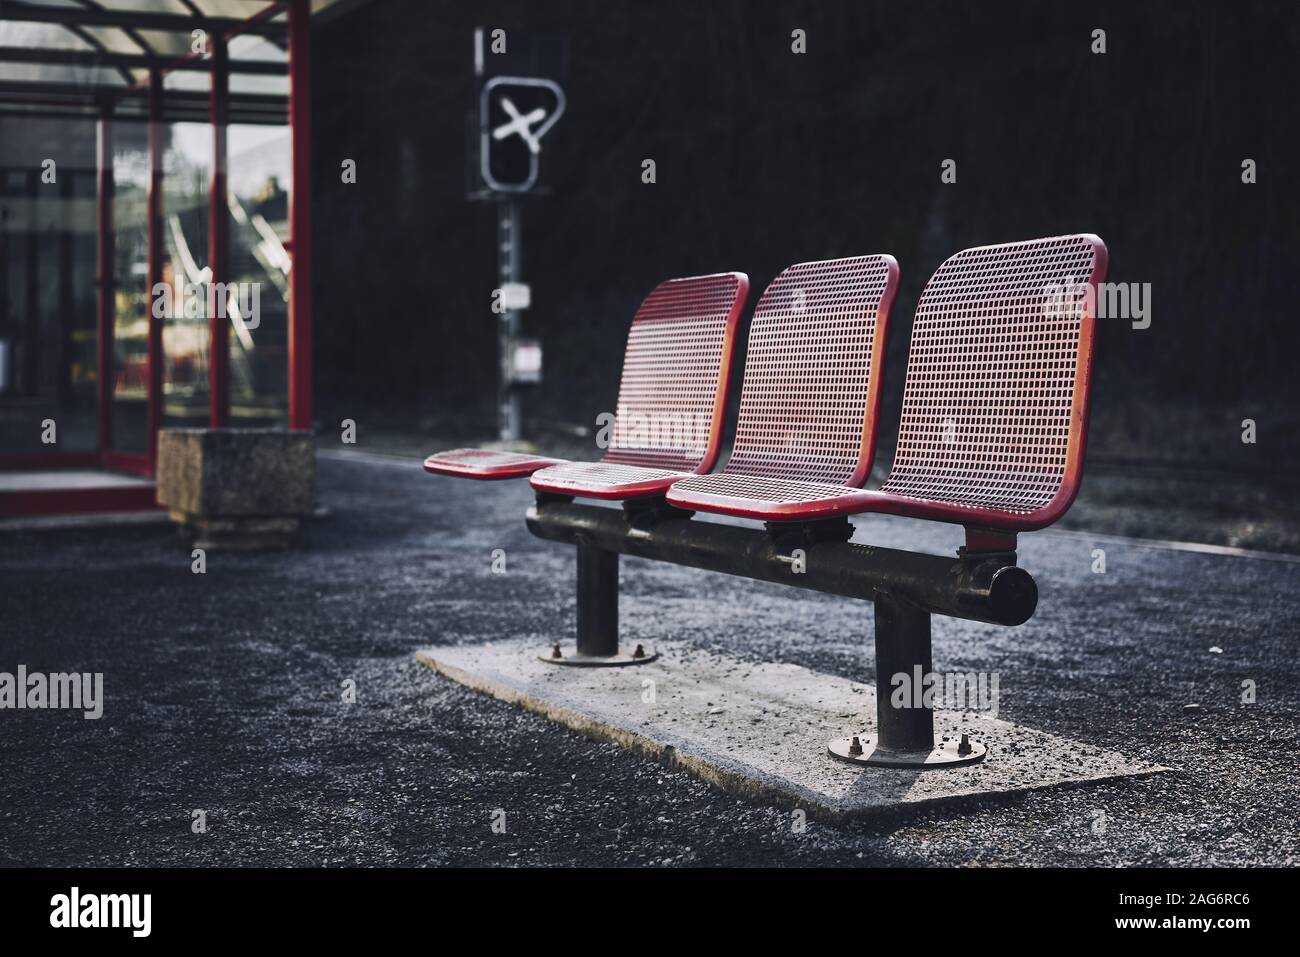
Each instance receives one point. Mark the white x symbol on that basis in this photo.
(520, 124)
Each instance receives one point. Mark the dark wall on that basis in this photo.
(767, 158)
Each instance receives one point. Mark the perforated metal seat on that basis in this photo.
(806, 433)
(770, 499)
(486, 463)
(669, 415)
(605, 480)
(668, 419)
(995, 407)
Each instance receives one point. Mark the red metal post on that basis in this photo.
(300, 215)
(155, 355)
(104, 278)
(218, 231)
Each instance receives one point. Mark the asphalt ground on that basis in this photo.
(224, 692)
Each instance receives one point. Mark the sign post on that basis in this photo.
(508, 260)
(513, 114)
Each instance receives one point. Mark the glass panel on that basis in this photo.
(47, 288)
(187, 170)
(258, 182)
(259, 83)
(130, 288)
(249, 46)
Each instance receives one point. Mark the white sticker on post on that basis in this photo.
(526, 361)
(516, 295)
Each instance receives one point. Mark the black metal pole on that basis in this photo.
(509, 254)
(903, 722)
(982, 587)
(597, 601)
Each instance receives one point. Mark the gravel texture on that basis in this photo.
(224, 692)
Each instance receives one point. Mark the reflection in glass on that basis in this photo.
(130, 288)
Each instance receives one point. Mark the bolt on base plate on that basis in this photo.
(950, 750)
(638, 656)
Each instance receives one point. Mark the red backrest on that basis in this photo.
(812, 372)
(998, 374)
(675, 374)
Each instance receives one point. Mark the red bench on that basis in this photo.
(994, 422)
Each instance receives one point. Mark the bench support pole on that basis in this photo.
(904, 736)
(902, 645)
(907, 588)
(597, 614)
(597, 601)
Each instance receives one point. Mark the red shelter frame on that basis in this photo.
(53, 100)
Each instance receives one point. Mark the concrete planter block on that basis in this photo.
(237, 488)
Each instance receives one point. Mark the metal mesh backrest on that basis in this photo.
(809, 372)
(677, 349)
(991, 373)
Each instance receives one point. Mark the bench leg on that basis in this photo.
(597, 615)
(597, 601)
(904, 735)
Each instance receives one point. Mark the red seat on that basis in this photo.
(677, 367)
(668, 419)
(485, 463)
(995, 407)
(806, 433)
(605, 480)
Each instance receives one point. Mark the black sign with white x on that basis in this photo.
(515, 113)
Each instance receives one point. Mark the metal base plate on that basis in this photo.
(946, 752)
(573, 659)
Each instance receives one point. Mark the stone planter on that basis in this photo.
(237, 488)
